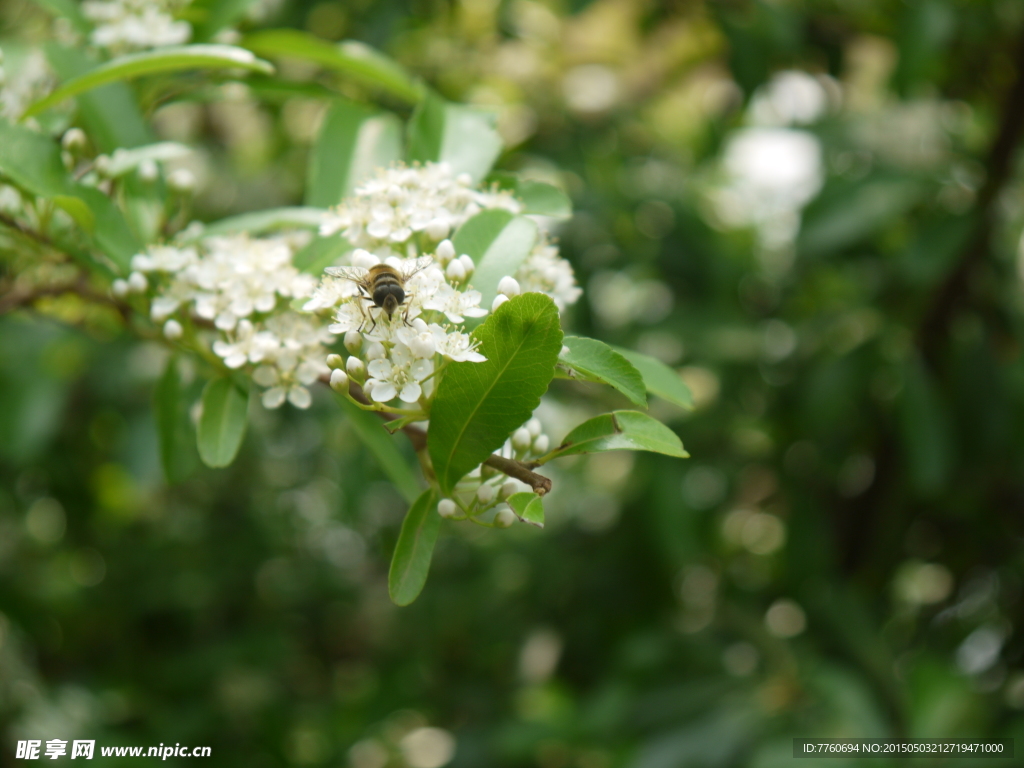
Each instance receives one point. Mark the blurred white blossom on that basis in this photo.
(131, 25)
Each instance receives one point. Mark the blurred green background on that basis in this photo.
(811, 209)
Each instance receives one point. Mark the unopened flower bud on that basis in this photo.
(564, 351)
(74, 140)
(467, 263)
(540, 445)
(353, 342)
(464, 179)
(504, 518)
(181, 180)
(508, 489)
(173, 330)
(445, 250)
(521, 439)
(148, 169)
(447, 508)
(368, 388)
(335, 361)
(102, 164)
(119, 288)
(438, 228)
(485, 494)
(498, 301)
(355, 367)
(137, 282)
(534, 427)
(339, 380)
(509, 286)
(455, 271)
(375, 351)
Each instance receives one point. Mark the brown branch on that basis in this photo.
(17, 226)
(935, 327)
(540, 484)
(16, 298)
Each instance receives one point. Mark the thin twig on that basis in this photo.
(17, 226)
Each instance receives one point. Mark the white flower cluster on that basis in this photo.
(485, 488)
(401, 218)
(131, 25)
(243, 287)
(400, 202)
(23, 82)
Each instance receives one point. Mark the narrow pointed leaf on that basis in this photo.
(659, 379)
(169, 59)
(528, 507)
(477, 405)
(411, 561)
(353, 142)
(498, 242)
(537, 197)
(370, 429)
(621, 431)
(321, 252)
(350, 58)
(592, 360)
(462, 136)
(222, 424)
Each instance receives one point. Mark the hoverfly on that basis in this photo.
(383, 285)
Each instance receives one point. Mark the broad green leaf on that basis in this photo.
(370, 429)
(498, 242)
(620, 431)
(171, 59)
(177, 450)
(350, 58)
(222, 423)
(320, 253)
(528, 507)
(354, 141)
(76, 208)
(464, 137)
(659, 379)
(70, 10)
(593, 360)
(477, 405)
(111, 232)
(264, 221)
(537, 197)
(109, 114)
(31, 161)
(415, 547)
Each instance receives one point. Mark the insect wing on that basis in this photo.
(355, 274)
(410, 268)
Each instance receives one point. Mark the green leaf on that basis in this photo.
(528, 507)
(222, 424)
(593, 360)
(498, 243)
(659, 379)
(415, 547)
(109, 114)
(265, 221)
(477, 405)
(31, 161)
(370, 429)
(170, 59)
(177, 451)
(620, 431)
(464, 137)
(354, 141)
(350, 58)
(537, 197)
(321, 252)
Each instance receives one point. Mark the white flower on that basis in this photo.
(457, 305)
(420, 339)
(248, 346)
(400, 375)
(458, 346)
(544, 271)
(126, 25)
